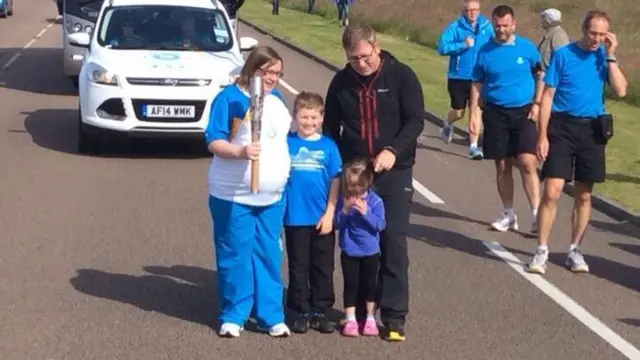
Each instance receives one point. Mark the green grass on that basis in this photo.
(320, 34)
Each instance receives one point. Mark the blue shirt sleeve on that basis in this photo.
(375, 215)
(334, 163)
(535, 59)
(478, 73)
(447, 44)
(278, 94)
(552, 75)
(219, 126)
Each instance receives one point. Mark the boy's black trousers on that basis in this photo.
(311, 265)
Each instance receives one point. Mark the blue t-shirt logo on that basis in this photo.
(314, 165)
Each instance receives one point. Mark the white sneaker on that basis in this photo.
(230, 330)
(505, 222)
(280, 330)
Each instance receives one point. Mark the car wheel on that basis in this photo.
(87, 143)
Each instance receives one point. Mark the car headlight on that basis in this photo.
(99, 75)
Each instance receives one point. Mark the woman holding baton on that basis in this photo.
(248, 224)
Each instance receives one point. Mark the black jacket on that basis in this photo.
(232, 7)
(382, 111)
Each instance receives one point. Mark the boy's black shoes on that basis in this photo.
(299, 324)
(320, 323)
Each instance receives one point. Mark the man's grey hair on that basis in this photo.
(355, 32)
(551, 16)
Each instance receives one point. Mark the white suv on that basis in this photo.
(153, 67)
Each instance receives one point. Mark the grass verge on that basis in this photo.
(321, 35)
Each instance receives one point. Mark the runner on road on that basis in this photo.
(379, 104)
(506, 75)
(572, 130)
(460, 41)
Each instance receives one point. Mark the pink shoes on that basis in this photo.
(351, 328)
(370, 328)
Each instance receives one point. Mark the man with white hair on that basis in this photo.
(460, 41)
(555, 36)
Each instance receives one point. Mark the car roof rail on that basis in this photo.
(215, 4)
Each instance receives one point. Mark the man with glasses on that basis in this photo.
(378, 103)
(460, 41)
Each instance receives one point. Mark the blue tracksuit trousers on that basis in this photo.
(248, 253)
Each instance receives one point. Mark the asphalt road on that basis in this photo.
(110, 257)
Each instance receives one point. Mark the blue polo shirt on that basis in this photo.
(507, 72)
(578, 75)
(314, 165)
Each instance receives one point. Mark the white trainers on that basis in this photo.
(538, 264)
(230, 330)
(280, 330)
(505, 222)
(575, 261)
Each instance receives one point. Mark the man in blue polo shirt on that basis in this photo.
(572, 134)
(506, 75)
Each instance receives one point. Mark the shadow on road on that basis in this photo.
(619, 228)
(36, 70)
(630, 248)
(426, 211)
(165, 291)
(56, 129)
(612, 271)
(630, 322)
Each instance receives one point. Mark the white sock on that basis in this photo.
(474, 145)
(371, 317)
(509, 211)
(573, 247)
(351, 317)
(543, 247)
(534, 212)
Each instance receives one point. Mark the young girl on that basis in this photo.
(247, 226)
(359, 219)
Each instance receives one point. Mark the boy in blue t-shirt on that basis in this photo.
(311, 194)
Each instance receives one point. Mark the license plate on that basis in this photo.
(168, 111)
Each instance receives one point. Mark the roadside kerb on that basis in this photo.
(606, 206)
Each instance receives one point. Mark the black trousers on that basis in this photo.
(360, 275)
(311, 265)
(392, 296)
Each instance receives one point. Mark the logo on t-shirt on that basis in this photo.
(307, 160)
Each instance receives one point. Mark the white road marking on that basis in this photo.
(11, 61)
(290, 88)
(421, 189)
(572, 307)
(568, 304)
(28, 45)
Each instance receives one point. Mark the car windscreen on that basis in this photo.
(161, 27)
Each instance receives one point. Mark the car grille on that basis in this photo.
(139, 103)
(167, 81)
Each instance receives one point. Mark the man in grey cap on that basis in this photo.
(555, 36)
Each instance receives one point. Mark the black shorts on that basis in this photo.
(459, 93)
(576, 150)
(508, 132)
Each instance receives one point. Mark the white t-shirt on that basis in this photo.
(230, 179)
